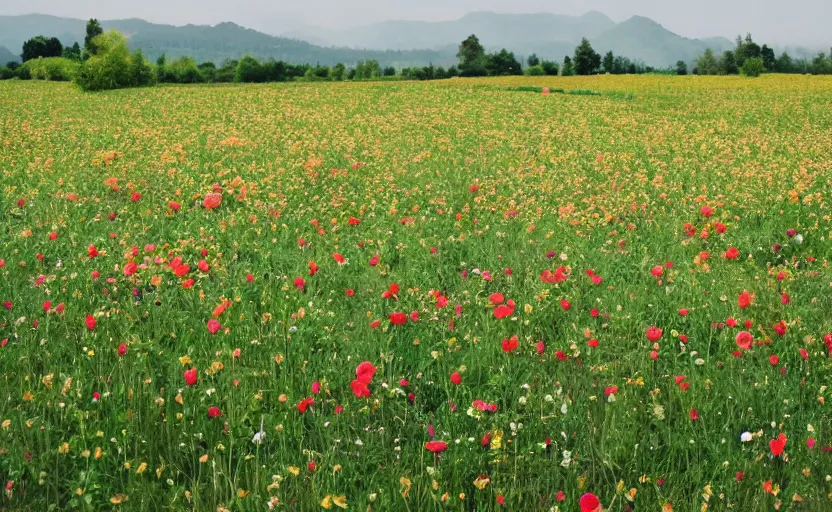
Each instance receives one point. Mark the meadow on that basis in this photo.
(454, 295)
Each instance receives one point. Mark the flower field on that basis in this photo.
(455, 295)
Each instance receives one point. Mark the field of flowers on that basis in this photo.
(417, 296)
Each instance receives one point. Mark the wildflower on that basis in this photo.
(745, 299)
(214, 326)
(191, 376)
(214, 412)
(510, 344)
(90, 321)
(589, 503)
(456, 378)
(436, 446)
(778, 445)
(654, 334)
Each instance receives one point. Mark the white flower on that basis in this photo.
(798, 239)
(746, 437)
(522, 400)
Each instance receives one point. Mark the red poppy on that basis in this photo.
(353, 221)
(778, 445)
(304, 404)
(510, 344)
(732, 253)
(375, 324)
(191, 376)
(250, 278)
(174, 206)
(706, 211)
(181, 270)
(589, 503)
(540, 347)
(780, 327)
(398, 318)
(300, 283)
(694, 415)
(90, 320)
(360, 389)
(456, 378)
(214, 412)
(565, 305)
(203, 266)
(744, 340)
(136, 197)
(122, 350)
(657, 271)
(365, 372)
(92, 252)
(436, 446)
(654, 334)
(774, 360)
(496, 298)
(212, 201)
(503, 311)
(214, 326)
(611, 390)
(130, 268)
(745, 299)
(338, 258)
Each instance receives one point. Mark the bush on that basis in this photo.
(110, 68)
(57, 69)
(6, 73)
(752, 67)
(184, 71)
(249, 69)
(535, 70)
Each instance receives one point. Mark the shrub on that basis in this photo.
(752, 67)
(57, 69)
(6, 73)
(110, 68)
(249, 69)
(535, 70)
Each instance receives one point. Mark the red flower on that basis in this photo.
(360, 389)
(212, 201)
(540, 347)
(501, 500)
(732, 253)
(683, 312)
(611, 390)
(374, 260)
(456, 378)
(589, 503)
(214, 326)
(560, 496)
(503, 311)
(90, 320)
(654, 334)
(398, 318)
(745, 299)
(706, 211)
(135, 197)
(191, 377)
(250, 278)
(780, 327)
(353, 221)
(214, 412)
(122, 350)
(657, 271)
(774, 360)
(53, 235)
(365, 372)
(785, 299)
(778, 445)
(130, 268)
(92, 252)
(375, 324)
(436, 446)
(694, 415)
(174, 206)
(304, 404)
(485, 442)
(510, 344)
(565, 305)
(744, 340)
(203, 266)
(300, 283)
(592, 343)
(338, 258)
(496, 298)
(311, 465)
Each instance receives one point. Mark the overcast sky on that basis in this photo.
(773, 21)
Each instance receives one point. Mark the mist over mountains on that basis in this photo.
(396, 43)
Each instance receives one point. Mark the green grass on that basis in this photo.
(493, 181)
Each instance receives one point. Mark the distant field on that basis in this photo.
(598, 294)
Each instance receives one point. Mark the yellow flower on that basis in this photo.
(294, 470)
(340, 501)
(6, 424)
(481, 482)
(63, 449)
(327, 502)
(405, 490)
(142, 468)
(118, 498)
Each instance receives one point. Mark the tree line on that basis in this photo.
(105, 62)
(751, 59)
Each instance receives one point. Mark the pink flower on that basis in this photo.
(214, 326)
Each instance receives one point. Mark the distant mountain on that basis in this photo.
(643, 38)
(517, 32)
(6, 56)
(548, 35)
(206, 43)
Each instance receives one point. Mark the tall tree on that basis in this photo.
(39, 46)
(707, 64)
(533, 60)
(681, 68)
(784, 64)
(471, 57)
(502, 63)
(587, 60)
(609, 63)
(73, 52)
(568, 68)
(769, 60)
(93, 30)
(728, 64)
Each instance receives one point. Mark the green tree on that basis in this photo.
(784, 64)
(681, 68)
(727, 64)
(502, 63)
(471, 57)
(73, 52)
(568, 69)
(533, 60)
(769, 60)
(752, 67)
(208, 70)
(609, 63)
(109, 67)
(587, 60)
(39, 46)
(93, 30)
(227, 71)
(707, 64)
(249, 69)
(184, 71)
(389, 71)
(549, 68)
(336, 73)
(141, 72)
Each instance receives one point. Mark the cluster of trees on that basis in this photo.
(751, 59)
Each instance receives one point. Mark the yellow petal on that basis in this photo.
(340, 501)
(327, 502)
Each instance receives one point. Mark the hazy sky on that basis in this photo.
(773, 21)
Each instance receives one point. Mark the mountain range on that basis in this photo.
(396, 43)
